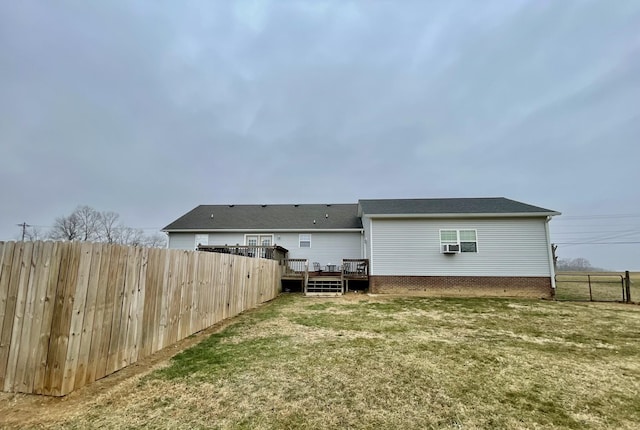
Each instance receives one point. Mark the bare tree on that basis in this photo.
(108, 226)
(87, 224)
(89, 220)
(156, 240)
(579, 264)
(33, 233)
(129, 236)
(65, 228)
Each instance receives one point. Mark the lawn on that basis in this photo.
(367, 362)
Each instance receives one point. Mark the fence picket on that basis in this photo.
(72, 313)
(52, 270)
(34, 314)
(119, 268)
(15, 369)
(99, 281)
(107, 272)
(86, 334)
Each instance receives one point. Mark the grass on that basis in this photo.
(413, 363)
(605, 286)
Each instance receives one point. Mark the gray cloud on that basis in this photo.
(149, 110)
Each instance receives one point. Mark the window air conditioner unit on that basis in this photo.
(450, 248)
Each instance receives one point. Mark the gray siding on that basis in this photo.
(182, 241)
(329, 247)
(188, 240)
(506, 247)
(326, 247)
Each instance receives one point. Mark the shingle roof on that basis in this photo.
(484, 205)
(273, 217)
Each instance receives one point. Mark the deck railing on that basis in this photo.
(296, 268)
(355, 268)
(273, 252)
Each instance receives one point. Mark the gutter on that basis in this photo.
(263, 230)
(468, 215)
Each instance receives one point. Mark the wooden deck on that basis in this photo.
(324, 282)
(272, 252)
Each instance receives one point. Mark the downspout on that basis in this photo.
(370, 246)
(550, 254)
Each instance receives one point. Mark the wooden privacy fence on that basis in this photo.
(72, 313)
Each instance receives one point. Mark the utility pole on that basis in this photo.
(24, 226)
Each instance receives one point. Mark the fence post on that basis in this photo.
(627, 286)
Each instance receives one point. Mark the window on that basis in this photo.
(202, 239)
(256, 242)
(304, 241)
(468, 241)
(461, 240)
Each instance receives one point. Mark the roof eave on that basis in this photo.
(260, 230)
(467, 215)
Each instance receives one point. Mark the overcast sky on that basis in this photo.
(152, 108)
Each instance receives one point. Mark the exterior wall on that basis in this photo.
(507, 247)
(326, 247)
(188, 240)
(463, 286)
(366, 224)
(182, 241)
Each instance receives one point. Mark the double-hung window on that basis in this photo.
(468, 240)
(202, 239)
(458, 240)
(304, 241)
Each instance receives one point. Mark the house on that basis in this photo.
(455, 246)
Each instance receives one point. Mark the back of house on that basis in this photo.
(458, 246)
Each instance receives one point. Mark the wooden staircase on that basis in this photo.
(324, 286)
(326, 283)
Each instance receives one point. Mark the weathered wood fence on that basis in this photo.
(72, 313)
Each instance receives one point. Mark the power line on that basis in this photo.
(137, 228)
(596, 243)
(595, 217)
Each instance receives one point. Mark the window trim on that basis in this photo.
(198, 240)
(300, 240)
(258, 236)
(458, 240)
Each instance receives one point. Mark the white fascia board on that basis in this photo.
(265, 230)
(466, 215)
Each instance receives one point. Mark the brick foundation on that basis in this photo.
(462, 286)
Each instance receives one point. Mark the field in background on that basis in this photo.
(605, 286)
(413, 363)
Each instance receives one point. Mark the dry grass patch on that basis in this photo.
(605, 286)
(414, 363)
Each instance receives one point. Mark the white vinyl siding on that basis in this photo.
(327, 248)
(201, 239)
(412, 247)
(182, 241)
(187, 240)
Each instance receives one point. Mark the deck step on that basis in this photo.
(324, 285)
